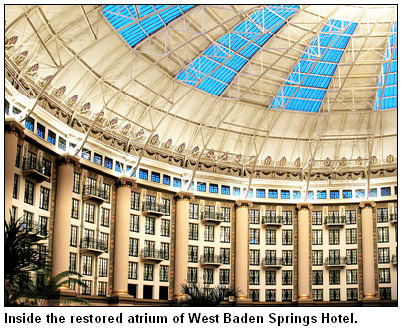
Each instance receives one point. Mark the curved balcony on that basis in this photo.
(93, 246)
(210, 260)
(212, 217)
(334, 221)
(274, 263)
(94, 193)
(153, 208)
(152, 255)
(35, 169)
(335, 262)
(271, 221)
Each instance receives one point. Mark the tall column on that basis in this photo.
(62, 216)
(181, 243)
(367, 227)
(121, 236)
(304, 252)
(242, 246)
(12, 130)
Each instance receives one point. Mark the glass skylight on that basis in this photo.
(216, 67)
(315, 69)
(389, 98)
(157, 16)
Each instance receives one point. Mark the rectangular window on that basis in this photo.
(75, 208)
(165, 250)
(333, 236)
(155, 177)
(72, 264)
(334, 277)
(347, 193)
(193, 231)
(385, 293)
(164, 273)
(225, 190)
(98, 159)
(18, 157)
(51, 137)
(225, 255)
(106, 190)
(260, 193)
(334, 294)
(201, 186)
(29, 123)
(317, 237)
(209, 233)
(192, 275)
(316, 217)
(73, 235)
(287, 277)
(132, 270)
(296, 194)
(383, 255)
(224, 276)
(254, 257)
(42, 226)
(104, 240)
(226, 214)
(194, 208)
(287, 237)
(102, 267)
(176, 183)
(193, 254)
(135, 201)
(86, 265)
(15, 186)
(62, 143)
(208, 276)
(273, 193)
(28, 220)
(360, 193)
(383, 234)
(386, 191)
(334, 194)
(254, 236)
(254, 216)
(318, 295)
(225, 234)
(76, 183)
(236, 191)
(384, 276)
(102, 288)
(165, 227)
(89, 215)
(44, 198)
(351, 276)
(143, 174)
(317, 258)
(287, 257)
(86, 154)
(150, 225)
(40, 130)
(351, 256)
(166, 206)
(108, 163)
(352, 294)
(318, 277)
(149, 272)
(270, 277)
(286, 295)
(322, 194)
(382, 215)
(285, 194)
(105, 217)
(166, 179)
(287, 218)
(87, 288)
(254, 277)
(270, 236)
(350, 217)
(134, 223)
(270, 294)
(373, 192)
(29, 192)
(351, 236)
(133, 247)
(213, 188)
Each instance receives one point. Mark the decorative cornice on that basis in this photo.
(68, 159)
(124, 181)
(243, 203)
(304, 206)
(12, 126)
(183, 195)
(367, 204)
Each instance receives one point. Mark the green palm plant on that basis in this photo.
(40, 293)
(198, 296)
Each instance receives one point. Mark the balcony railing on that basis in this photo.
(272, 262)
(213, 217)
(394, 259)
(35, 228)
(152, 255)
(153, 208)
(93, 192)
(335, 221)
(35, 169)
(213, 260)
(393, 218)
(92, 245)
(271, 221)
(335, 261)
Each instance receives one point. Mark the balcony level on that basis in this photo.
(210, 260)
(212, 217)
(334, 221)
(35, 169)
(274, 263)
(152, 208)
(393, 219)
(94, 193)
(337, 262)
(271, 221)
(92, 246)
(394, 259)
(152, 255)
(36, 231)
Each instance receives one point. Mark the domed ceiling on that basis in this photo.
(250, 86)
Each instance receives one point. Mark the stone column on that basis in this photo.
(242, 247)
(181, 243)
(304, 252)
(367, 227)
(12, 130)
(62, 216)
(121, 236)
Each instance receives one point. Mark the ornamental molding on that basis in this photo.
(183, 195)
(367, 204)
(124, 181)
(243, 203)
(304, 206)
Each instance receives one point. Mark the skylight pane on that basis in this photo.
(158, 16)
(245, 40)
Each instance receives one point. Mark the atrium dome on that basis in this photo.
(232, 89)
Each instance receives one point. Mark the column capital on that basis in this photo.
(304, 206)
(184, 195)
(125, 181)
(243, 203)
(12, 126)
(367, 204)
(68, 159)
